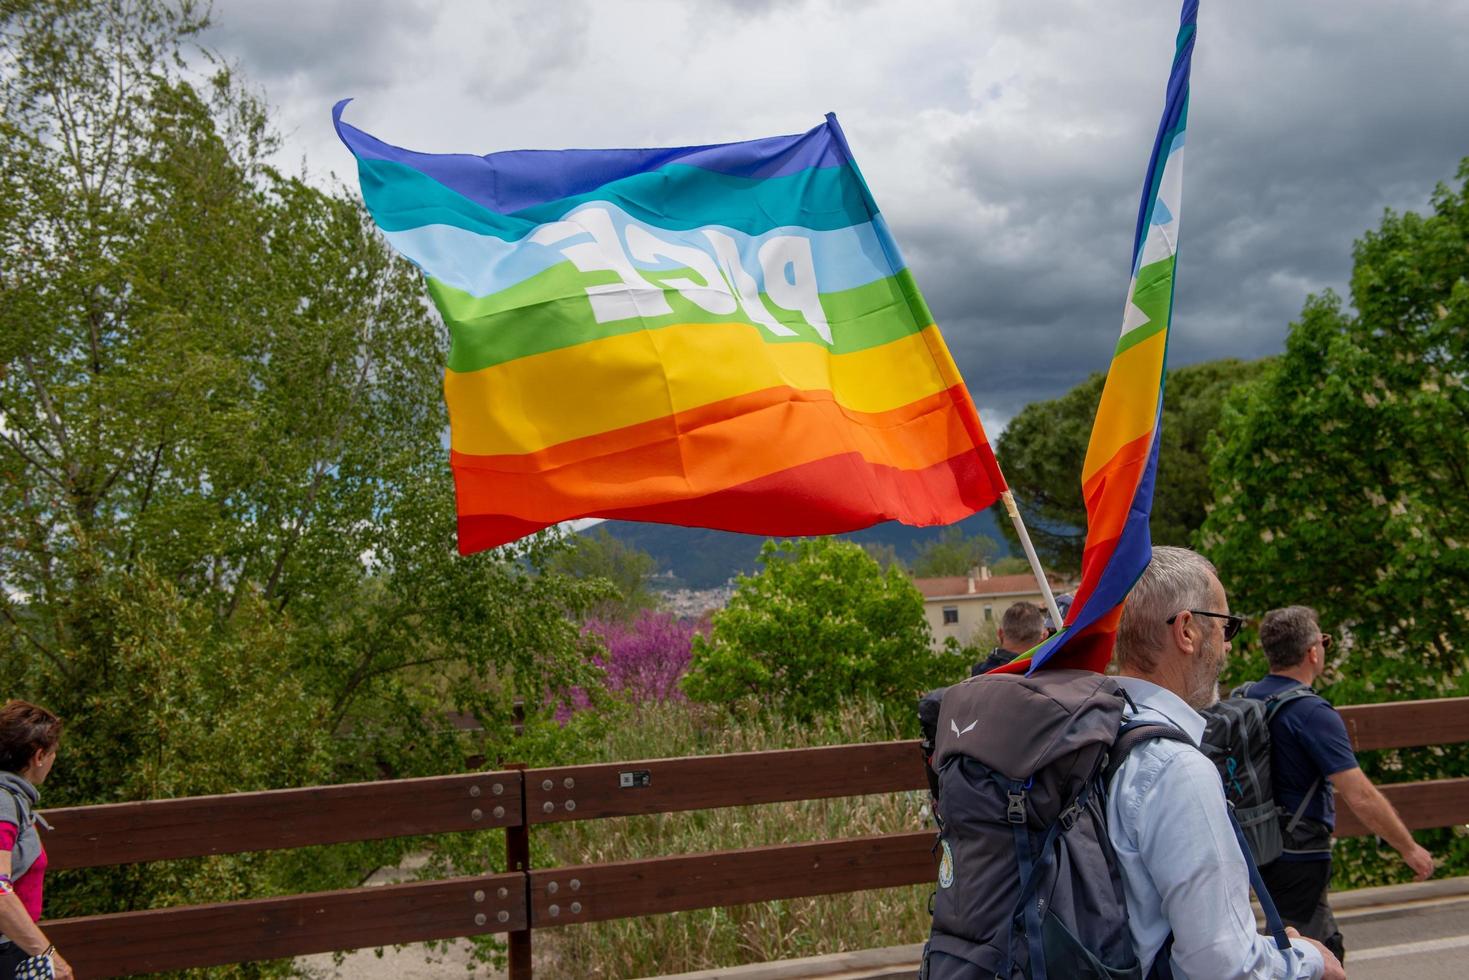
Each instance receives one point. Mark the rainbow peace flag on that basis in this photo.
(718, 336)
(1122, 458)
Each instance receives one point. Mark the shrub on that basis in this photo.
(646, 656)
(821, 622)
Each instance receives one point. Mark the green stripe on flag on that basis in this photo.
(1153, 295)
(551, 311)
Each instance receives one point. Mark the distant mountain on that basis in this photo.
(702, 559)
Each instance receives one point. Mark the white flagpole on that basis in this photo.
(1035, 562)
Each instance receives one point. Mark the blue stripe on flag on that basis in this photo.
(513, 180)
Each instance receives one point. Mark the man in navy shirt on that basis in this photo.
(1311, 759)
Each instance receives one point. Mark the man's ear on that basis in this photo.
(1185, 634)
(1000, 636)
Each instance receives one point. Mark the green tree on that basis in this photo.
(1011, 565)
(596, 554)
(820, 623)
(1342, 476)
(1342, 482)
(884, 554)
(226, 526)
(1044, 447)
(953, 553)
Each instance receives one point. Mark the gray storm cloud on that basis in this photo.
(1005, 144)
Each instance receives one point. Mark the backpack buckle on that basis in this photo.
(1015, 812)
(1069, 816)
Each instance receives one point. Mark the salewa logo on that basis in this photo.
(967, 728)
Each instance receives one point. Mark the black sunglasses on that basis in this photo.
(1231, 628)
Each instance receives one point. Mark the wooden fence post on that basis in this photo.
(517, 859)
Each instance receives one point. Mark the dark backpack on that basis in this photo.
(1237, 740)
(1028, 882)
(1029, 885)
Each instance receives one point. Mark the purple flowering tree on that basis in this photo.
(646, 655)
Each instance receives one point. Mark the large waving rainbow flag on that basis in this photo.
(1122, 458)
(720, 336)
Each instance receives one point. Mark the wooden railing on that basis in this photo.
(524, 899)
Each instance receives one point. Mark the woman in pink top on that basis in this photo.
(28, 738)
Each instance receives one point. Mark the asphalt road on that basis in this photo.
(1424, 941)
(1427, 939)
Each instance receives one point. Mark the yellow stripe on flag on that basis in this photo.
(535, 402)
(1122, 419)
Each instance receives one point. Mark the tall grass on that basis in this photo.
(751, 933)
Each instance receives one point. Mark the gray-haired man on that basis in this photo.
(1187, 884)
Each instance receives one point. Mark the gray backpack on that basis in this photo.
(1029, 885)
(1237, 741)
(1028, 881)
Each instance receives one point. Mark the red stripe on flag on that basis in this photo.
(829, 496)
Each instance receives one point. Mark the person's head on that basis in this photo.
(28, 738)
(1063, 606)
(1165, 636)
(1292, 638)
(1021, 627)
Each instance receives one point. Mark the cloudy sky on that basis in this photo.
(1004, 140)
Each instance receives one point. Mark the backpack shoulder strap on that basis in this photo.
(1273, 921)
(1130, 736)
(1280, 699)
(1300, 814)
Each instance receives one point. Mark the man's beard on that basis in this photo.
(1204, 678)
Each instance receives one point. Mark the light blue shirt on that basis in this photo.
(1180, 861)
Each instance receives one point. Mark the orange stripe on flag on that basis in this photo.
(1129, 405)
(709, 455)
(644, 434)
(1110, 492)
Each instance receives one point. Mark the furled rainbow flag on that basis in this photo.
(1117, 477)
(719, 336)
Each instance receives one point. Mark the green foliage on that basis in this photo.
(1044, 447)
(821, 623)
(765, 931)
(596, 554)
(226, 523)
(1343, 475)
(886, 555)
(1011, 565)
(1342, 482)
(953, 553)
(621, 731)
